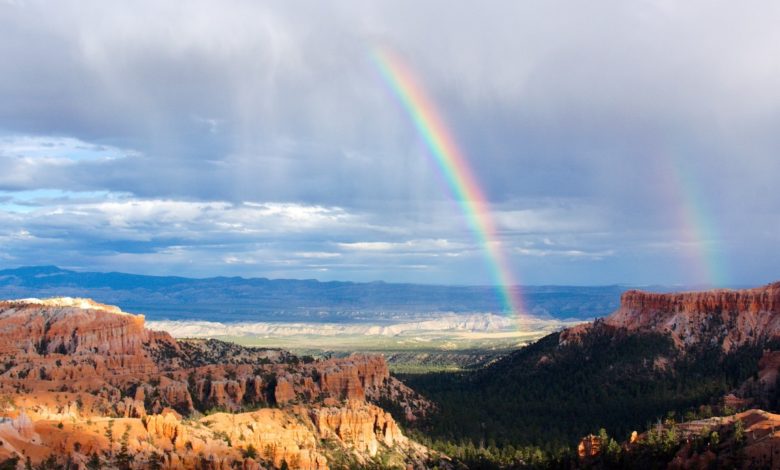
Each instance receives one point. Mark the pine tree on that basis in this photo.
(123, 458)
(154, 462)
(110, 436)
(250, 452)
(94, 462)
(739, 432)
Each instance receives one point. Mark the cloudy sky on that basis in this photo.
(617, 142)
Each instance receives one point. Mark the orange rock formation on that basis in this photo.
(733, 318)
(74, 372)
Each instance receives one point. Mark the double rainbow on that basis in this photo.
(703, 257)
(453, 164)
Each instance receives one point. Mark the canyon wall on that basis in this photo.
(76, 365)
(728, 318)
(732, 317)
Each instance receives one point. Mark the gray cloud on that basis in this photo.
(633, 138)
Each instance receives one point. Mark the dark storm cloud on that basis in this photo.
(593, 127)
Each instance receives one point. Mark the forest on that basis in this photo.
(534, 405)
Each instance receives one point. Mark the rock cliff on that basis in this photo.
(78, 362)
(75, 327)
(717, 327)
(730, 318)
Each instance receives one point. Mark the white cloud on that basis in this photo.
(564, 253)
(422, 245)
(305, 215)
(371, 246)
(57, 149)
(317, 254)
(122, 217)
(542, 219)
(238, 260)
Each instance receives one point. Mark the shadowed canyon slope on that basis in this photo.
(71, 369)
(689, 354)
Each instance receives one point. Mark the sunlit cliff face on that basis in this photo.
(76, 302)
(82, 378)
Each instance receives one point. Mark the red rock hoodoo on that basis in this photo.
(72, 368)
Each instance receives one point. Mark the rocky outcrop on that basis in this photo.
(77, 345)
(357, 377)
(98, 339)
(589, 447)
(362, 426)
(277, 436)
(70, 326)
(713, 442)
(298, 437)
(166, 426)
(715, 324)
(23, 425)
(202, 352)
(729, 318)
(77, 368)
(283, 391)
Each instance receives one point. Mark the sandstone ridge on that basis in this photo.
(730, 318)
(77, 365)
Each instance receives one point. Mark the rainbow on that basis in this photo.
(453, 164)
(699, 232)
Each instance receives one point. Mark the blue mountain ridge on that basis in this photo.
(234, 299)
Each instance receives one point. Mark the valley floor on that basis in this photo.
(445, 343)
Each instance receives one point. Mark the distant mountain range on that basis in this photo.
(234, 299)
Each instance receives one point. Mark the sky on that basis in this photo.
(615, 142)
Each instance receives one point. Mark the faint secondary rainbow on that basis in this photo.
(698, 228)
(455, 168)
